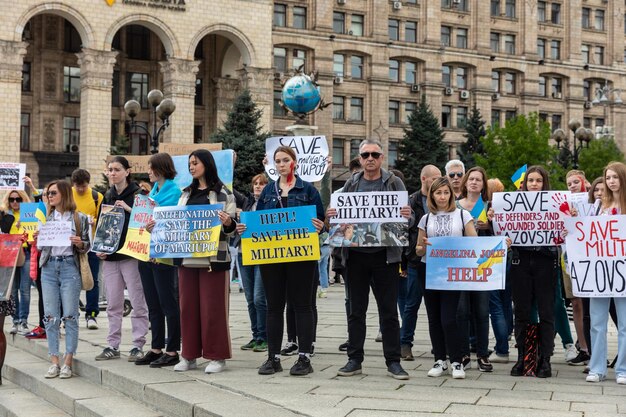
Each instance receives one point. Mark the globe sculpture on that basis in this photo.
(301, 95)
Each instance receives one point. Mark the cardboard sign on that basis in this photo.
(10, 246)
(12, 176)
(109, 229)
(531, 218)
(580, 201)
(137, 243)
(56, 233)
(311, 151)
(370, 207)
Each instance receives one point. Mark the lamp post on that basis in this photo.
(581, 134)
(603, 93)
(161, 109)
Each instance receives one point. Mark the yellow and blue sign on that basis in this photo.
(31, 215)
(137, 243)
(279, 235)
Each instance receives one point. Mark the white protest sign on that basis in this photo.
(370, 207)
(55, 233)
(312, 153)
(530, 218)
(11, 176)
(596, 255)
(580, 201)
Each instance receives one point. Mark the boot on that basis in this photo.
(544, 370)
(518, 368)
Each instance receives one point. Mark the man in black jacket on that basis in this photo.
(416, 277)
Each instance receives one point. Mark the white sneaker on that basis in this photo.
(439, 368)
(13, 329)
(92, 324)
(621, 379)
(322, 293)
(185, 365)
(66, 372)
(495, 358)
(457, 371)
(53, 372)
(570, 352)
(593, 377)
(23, 328)
(214, 367)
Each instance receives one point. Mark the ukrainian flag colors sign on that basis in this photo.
(280, 235)
(137, 244)
(186, 231)
(466, 263)
(31, 215)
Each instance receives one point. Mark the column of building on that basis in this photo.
(11, 61)
(179, 84)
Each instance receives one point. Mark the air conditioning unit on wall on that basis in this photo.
(397, 5)
(448, 91)
(415, 88)
(464, 94)
(338, 80)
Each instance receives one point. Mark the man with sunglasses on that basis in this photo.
(455, 169)
(377, 267)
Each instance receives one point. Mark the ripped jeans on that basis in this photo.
(60, 286)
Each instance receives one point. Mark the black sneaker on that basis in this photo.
(581, 359)
(270, 367)
(349, 369)
(344, 346)
(466, 362)
(148, 357)
(165, 360)
(484, 365)
(301, 367)
(290, 349)
(395, 371)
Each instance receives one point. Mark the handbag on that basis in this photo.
(21, 258)
(203, 263)
(83, 262)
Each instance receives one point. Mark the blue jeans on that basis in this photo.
(474, 307)
(501, 311)
(21, 284)
(413, 300)
(61, 285)
(599, 312)
(93, 295)
(323, 265)
(255, 296)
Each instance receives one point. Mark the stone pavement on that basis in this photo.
(118, 388)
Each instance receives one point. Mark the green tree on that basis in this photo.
(592, 160)
(422, 145)
(243, 134)
(523, 140)
(475, 131)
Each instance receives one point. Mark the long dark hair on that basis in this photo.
(211, 178)
(541, 171)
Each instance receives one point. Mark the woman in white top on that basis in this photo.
(444, 219)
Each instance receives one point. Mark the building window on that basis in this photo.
(356, 67)
(410, 72)
(541, 11)
(587, 90)
(338, 64)
(299, 17)
(280, 59)
(599, 122)
(509, 44)
(584, 51)
(446, 35)
(394, 29)
(509, 83)
(556, 88)
(409, 108)
(339, 22)
(410, 32)
(461, 117)
(138, 88)
(510, 115)
(495, 42)
(495, 118)
(445, 75)
(115, 131)
(394, 112)
(115, 89)
(541, 48)
(354, 148)
(357, 23)
(587, 122)
(137, 137)
(198, 98)
(555, 15)
(356, 109)
(599, 20)
(556, 122)
(495, 7)
(392, 153)
(598, 55)
(542, 86)
(25, 132)
(509, 9)
(461, 77)
(72, 42)
(338, 152)
(71, 84)
(495, 81)
(26, 70)
(555, 49)
(446, 116)
(280, 15)
(394, 70)
(71, 134)
(338, 108)
(461, 38)
(299, 58)
(197, 134)
(138, 42)
(278, 109)
(586, 22)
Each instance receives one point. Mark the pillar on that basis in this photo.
(179, 84)
(260, 82)
(11, 60)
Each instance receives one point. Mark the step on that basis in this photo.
(16, 401)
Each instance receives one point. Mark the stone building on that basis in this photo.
(67, 67)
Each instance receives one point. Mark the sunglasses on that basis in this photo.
(458, 174)
(15, 199)
(51, 193)
(374, 155)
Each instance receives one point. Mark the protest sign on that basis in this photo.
(10, 246)
(530, 218)
(466, 263)
(580, 201)
(109, 229)
(137, 243)
(596, 255)
(11, 176)
(368, 234)
(223, 163)
(31, 214)
(186, 231)
(370, 207)
(312, 153)
(279, 235)
(55, 233)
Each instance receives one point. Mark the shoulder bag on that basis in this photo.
(83, 262)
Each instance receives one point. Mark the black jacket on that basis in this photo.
(128, 196)
(408, 256)
(6, 221)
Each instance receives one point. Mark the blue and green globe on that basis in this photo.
(301, 95)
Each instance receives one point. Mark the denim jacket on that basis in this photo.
(302, 194)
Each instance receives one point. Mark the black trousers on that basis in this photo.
(533, 279)
(292, 283)
(445, 337)
(363, 270)
(291, 314)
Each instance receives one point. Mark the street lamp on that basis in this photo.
(582, 134)
(161, 109)
(603, 93)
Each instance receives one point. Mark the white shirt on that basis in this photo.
(62, 250)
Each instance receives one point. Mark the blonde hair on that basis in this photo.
(5, 201)
(608, 198)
